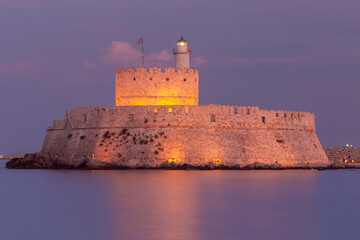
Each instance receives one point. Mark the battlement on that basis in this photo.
(216, 116)
(156, 86)
(156, 70)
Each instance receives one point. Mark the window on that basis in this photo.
(184, 79)
(298, 115)
(85, 117)
(212, 118)
(156, 110)
(195, 79)
(263, 119)
(150, 79)
(235, 110)
(134, 79)
(167, 79)
(131, 118)
(277, 114)
(170, 110)
(284, 115)
(248, 111)
(186, 109)
(98, 112)
(292, 115)
(112, 111)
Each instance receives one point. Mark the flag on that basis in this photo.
(140, 40)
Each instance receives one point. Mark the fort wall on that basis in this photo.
(343, 154)
(149, 135)
(156, 86)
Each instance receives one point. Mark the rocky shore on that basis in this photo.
(45, 161)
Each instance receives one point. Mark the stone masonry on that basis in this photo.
(146, 136)
(156, 86)
(343, 154)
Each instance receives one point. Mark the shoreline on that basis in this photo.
(45, 161)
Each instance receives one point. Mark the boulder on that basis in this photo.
(276, 166)
(210, 166)
(99, 164)
(32, 160)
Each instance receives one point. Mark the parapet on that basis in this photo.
(209, 116)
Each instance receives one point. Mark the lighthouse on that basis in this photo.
(182, 54)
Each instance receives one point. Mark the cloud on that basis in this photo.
(159, 57)
(119, 52)
(88, 64)
(235, 60)
(124, 54)
(20, 68)
(199, 61)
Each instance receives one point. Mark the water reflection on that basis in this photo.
(159, 204)
(211, 204)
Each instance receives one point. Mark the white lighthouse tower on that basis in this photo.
(182, 54)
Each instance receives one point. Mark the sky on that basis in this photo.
(280, 54)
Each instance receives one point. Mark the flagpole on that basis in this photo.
(142, 50)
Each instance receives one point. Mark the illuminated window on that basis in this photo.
(186, 109)
(167, 79)
(156, 110)
(170, 110)
(263, 119)
(212, 118)
(131, 118)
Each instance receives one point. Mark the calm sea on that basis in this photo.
(186, 205)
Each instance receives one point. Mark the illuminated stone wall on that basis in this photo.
(149, 135)
(156, 86)
(341, 154)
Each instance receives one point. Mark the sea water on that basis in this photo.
(186, 205)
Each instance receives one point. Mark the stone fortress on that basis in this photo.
(156, 120)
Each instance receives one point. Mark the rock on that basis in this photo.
(99, 164)
(32, 160)
(256, 165)
(210, 166)
(276, 166)
(172, 164)
(165, 163)
(62, 163)
(259, 165)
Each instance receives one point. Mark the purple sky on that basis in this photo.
(279, 54)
